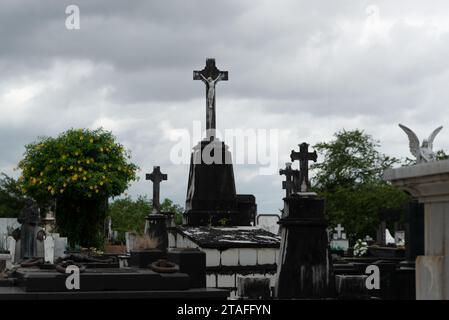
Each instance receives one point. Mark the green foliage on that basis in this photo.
(349, 160)
(12, 198)
(350, 179)
(128, 215)
(441, 155)
(77, 164)
(80, 169)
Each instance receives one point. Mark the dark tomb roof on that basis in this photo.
(230, 237)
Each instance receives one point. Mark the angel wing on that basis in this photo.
(432, 136)
(413, 141)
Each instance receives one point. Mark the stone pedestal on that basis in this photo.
(211, 195)
(191, 261)
(429, 183)
(304, 264)
(157, 230)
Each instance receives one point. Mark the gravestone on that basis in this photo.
(211, 194)
(304, 262)
(29, 236)
(304, 156)
(339, 241)
(156, 221)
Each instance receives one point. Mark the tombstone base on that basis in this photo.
(211, 196)
(304, 264)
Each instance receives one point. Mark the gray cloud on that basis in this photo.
(310, 68)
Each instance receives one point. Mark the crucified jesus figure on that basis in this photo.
(210, 88)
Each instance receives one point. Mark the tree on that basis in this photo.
(80, 170)
(12, 198)
(350, 179)
(128, 215)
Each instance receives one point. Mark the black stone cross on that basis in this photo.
(156, 177)
(210, 75)
(290, 177)
(304, 156)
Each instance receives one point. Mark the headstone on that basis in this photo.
(304, 156)
(60, 246)
(211, 195)
(291, 176)
(156, 177)
(31, 236)
(157, 222)
(304, 261)
(49, 245)
(191, 261)
(130, 238)
(339, 241)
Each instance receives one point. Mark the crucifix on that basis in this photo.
(290, 177)
(339, 229)
(210, 75)
(156, 177)
(304, 156)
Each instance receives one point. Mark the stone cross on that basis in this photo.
(339, 229)
(156, 177)
(290, 175)
(304, 156)
(210, 75)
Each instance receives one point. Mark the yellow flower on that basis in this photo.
(51, 161)
(104, 167)
(61, 191)
(62, 168)
(81, 137)
(65, 185)
(101, 149)
(41, 174)
(87, 161)
(71, 167)
(80, 169)
(49, 188)
(101, 183)
(84, 178)
(76, 153)
(91, 140)
(96, 191)
(32, 168)
(78, 162)
(90, 187)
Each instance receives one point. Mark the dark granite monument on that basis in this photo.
(29, 233)
(304, 263)
(157, 221)
(211, 194)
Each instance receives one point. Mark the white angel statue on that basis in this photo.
(423, 153)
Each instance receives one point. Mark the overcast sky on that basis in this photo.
(309, 68)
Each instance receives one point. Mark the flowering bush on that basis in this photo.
(360, 248)
(78, 163)
(80, 169)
